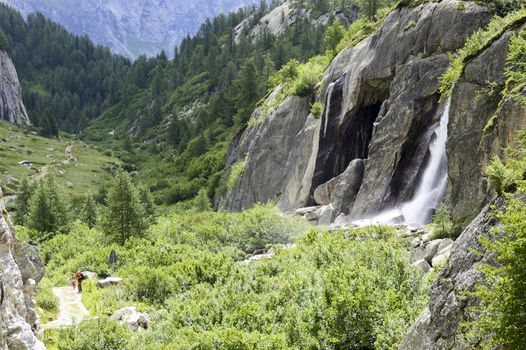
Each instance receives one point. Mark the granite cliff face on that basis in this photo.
(381, 110)
(12, 108)
(20, 270)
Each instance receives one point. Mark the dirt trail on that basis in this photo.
(44, 171)
(71, 310)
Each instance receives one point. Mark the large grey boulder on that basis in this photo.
(20, 270)
(108, 282)
(12, 107)
(439, 326)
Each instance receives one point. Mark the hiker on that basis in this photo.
(73, 281)
(80, 278)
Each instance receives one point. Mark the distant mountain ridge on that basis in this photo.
(131, 27)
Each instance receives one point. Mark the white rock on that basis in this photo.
(442, 255)
(108, 282)
(131, 317)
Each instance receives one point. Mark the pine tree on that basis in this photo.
(202, 202)
(89, 212)
(40, 216)
(59, 212)
(23, 200)
(48, 213)
(333, 36)
(125, 215)
(147, 203)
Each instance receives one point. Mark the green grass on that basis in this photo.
(90, 169)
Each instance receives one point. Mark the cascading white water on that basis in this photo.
(431, 188)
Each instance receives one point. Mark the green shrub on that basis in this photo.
(236, 171)
(442, 225)
(97, 334)
(477, 42)
(317, 109)
(501, 178)
(45, 297)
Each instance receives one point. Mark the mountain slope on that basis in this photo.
(131, 28)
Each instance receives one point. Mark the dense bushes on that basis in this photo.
(346, 289)
(97, 334)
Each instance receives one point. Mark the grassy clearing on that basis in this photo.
(89, 169)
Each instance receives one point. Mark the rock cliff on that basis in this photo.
(381, 110)
(20, 270)
(12, 108)
(439, 326)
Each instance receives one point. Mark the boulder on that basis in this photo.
(132, 318)
(423, 265)
(441, 256)
(108, 282)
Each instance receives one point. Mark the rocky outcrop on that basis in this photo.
(12, 108)
(381, 110)
(286, 15)
(439, 326)
(20, 270)
(469, 150)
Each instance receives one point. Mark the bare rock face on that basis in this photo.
(12, 108)
(20, 270)
(439, 326)
(469, 150)
(381, 109)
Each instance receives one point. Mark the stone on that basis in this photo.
(132, 318)
(441, 256)
(323, 194)
(12, 107)
(430, 249)
(108, 282)
(418, 254)
(423, 265)
(325, 215)
(69, 184)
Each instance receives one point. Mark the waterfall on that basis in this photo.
(430, 189)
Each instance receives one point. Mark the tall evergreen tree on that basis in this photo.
(124, 217)
(89, 212)
(22, 202)
(41, 217)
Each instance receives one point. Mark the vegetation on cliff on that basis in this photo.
(502, 295)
